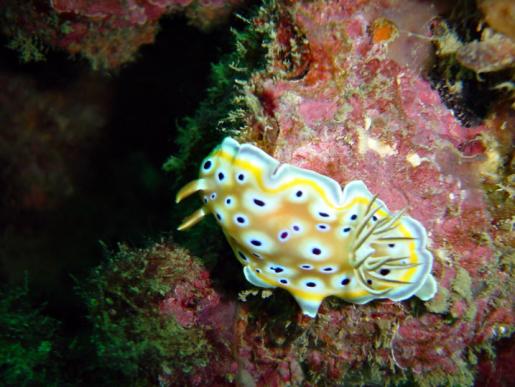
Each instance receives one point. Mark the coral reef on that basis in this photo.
(500, 15)
(339, 87)
(474, 67)
(343, 92)
(107, 33)
(501, 372)
(154, 311)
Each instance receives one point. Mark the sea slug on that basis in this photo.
(296, 229)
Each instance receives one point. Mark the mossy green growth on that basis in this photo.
(30, 48)
(30, 43)
(222, 113)
(440, 303)
(135, 342)
(462, 284)
(463, 377)
(27, 354)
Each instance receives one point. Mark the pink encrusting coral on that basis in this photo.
(175, 328)
(122, 13)
(107, 33)
(334, 100)
(195, 304)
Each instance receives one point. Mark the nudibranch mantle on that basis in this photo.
(296, 229)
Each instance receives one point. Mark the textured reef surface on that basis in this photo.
(343, 92)
(351, 89)
(107, 33)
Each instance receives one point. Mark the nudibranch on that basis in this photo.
(298, 230)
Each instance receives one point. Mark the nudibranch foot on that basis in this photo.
(254, 280)
(298, 230)
(428, 289)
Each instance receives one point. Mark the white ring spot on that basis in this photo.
(323, 227)
(328, 269)
(283, 235)
(241, 220)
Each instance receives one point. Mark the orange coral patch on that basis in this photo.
(383, 31)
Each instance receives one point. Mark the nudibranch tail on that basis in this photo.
(296, 229)
(310, 306)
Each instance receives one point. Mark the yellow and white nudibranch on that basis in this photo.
(296, 229)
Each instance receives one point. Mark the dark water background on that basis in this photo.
(121, 193)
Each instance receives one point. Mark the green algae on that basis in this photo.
(27, 335)
(30, 48)
(440, 303)
(463, 377)
(134, 342)
(222, 113)
(462, 290)
(462, 284)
